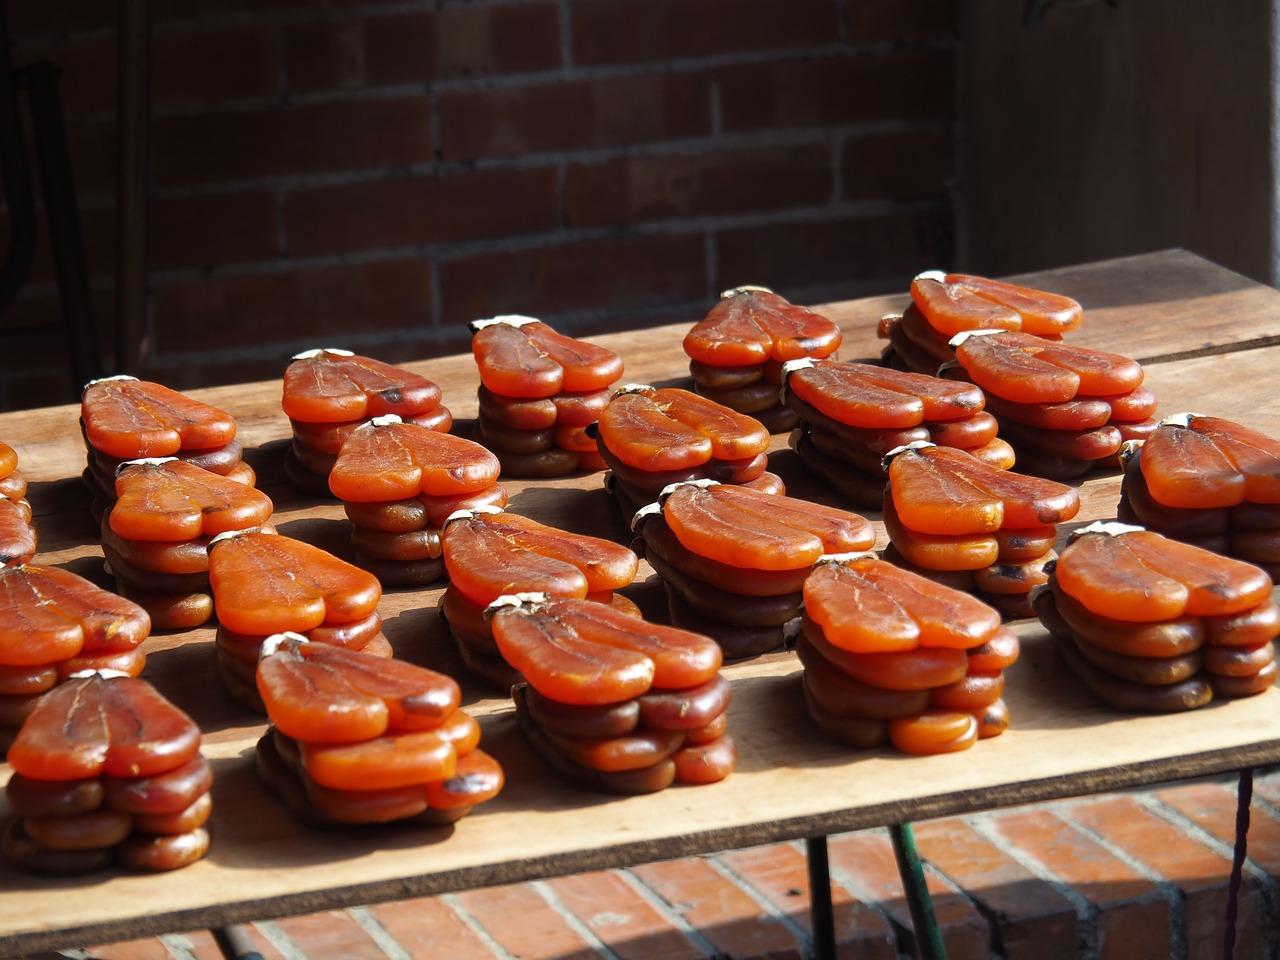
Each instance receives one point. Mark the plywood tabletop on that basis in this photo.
(789, 782)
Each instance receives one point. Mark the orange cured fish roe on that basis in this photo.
(1194, 462)
(1141, 576)
(171, 500)
(388, 459)
(863, 395)
(751, 325)
(639, 433)
(935, 731)
(266, 583)
(953, 302)
(672, 429)
(611, 701)
(327, 694)
(866, 605)
(940, 490)
(363, 739)
(1029, 369)
(95, 725)
(782, 533)
(523, 357)
(48, 614)
(336, 386)
(1255, 455)
(489, 554)
(580, 652)
(130, 418)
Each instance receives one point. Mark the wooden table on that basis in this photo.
(1210, 329)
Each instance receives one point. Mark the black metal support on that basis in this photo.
(919, 902)
(235, 943)
(822, 914)
(17, 178)
(62, 211)
(133, 113)
(1244, 804)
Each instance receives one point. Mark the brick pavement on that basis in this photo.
(1121, 876)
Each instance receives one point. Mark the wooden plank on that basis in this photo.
(789, 783)
(1167, 304)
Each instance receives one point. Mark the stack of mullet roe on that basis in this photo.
(328, 393)
(489, 553)
(733, 560)
(539, 391)
(893, 657)
(124, 418)
(356, 739)
(653, 437)
(955, 519)
(737, 351)
(851, 415)
(1154, 625)
(18, 535)
(265, 583)
(1207, 481)
(612, 702)
(1065, 410)
(399, 481)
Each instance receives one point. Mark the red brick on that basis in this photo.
(212, 371)
(498, 38)
(86, 72)
(212, 65)
(888, 21)
(251, 144)
(334, 933)
(211, 231)
(428, 928)
(1266, 785)
(594, 275)
(631, 189)
(92, 145)
(97, 229)
(1031, 919)
(1133, 919)
(631, 31)
(720, 910)
(907, 85)
(422, 209)
(319, 304)
(899, 166)
(60, 16)
(175, 11)
(626, 922)
(346, 54)
(1213, 806)
(150, 948)
(867, 858)
(780, 872)
(879, 253)
(33, 332)
(1200, 874)
(573, 115)
(522, 922)
(204, 947)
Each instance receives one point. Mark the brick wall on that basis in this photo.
(375, 173)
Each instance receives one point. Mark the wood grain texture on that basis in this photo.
(789, 783)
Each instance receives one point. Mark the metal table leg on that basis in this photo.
(821, 912)
(928, 936)
(235, 943)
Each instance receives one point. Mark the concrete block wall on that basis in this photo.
(375, 173)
